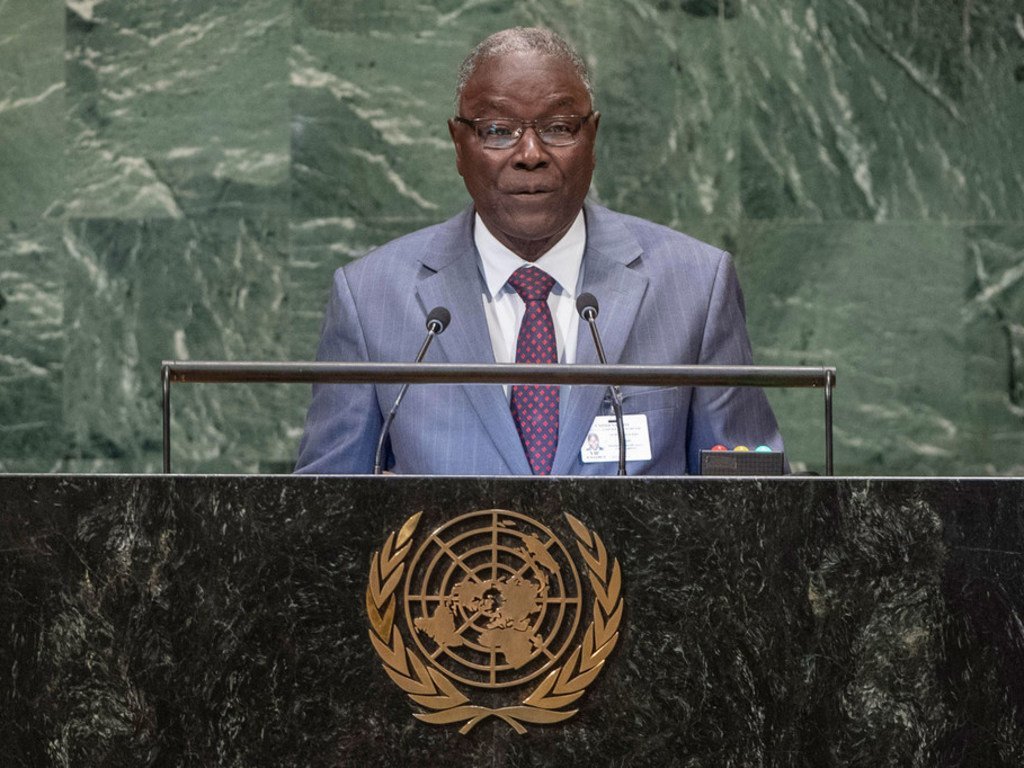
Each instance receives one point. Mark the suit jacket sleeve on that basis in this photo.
(343, 419)
(728, 415)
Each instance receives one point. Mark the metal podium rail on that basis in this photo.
(206, 372)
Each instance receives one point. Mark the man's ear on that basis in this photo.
(596, 120)
(452, 128)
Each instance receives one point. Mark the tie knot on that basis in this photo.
(532, 284)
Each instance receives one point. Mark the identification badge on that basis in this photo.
(602, 443)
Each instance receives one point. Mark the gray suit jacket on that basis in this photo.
(665, 298)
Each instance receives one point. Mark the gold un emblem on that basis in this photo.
(493, 602)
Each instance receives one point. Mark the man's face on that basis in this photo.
(529, 195)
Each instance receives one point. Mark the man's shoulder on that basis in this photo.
(657, 245)
(422, 246)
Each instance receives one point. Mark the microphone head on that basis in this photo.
(587, 303)
(438, 319)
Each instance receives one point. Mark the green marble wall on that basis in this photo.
(179, 180)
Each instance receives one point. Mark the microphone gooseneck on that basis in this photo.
(587, 307)
(437, 320)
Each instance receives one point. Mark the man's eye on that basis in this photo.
(496, 129)
(559, 128)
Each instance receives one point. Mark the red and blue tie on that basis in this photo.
(535, 408)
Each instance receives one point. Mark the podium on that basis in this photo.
(216, 621)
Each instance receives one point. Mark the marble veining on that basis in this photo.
(193, 173)
(220, 620)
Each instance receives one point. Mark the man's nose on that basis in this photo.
(530, 151)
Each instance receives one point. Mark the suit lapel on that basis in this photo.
(454, 281)
(611, 248)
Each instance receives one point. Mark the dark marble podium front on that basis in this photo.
(220, 621)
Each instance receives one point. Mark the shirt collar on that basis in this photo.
(562, 262)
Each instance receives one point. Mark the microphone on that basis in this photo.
(586, 305)
(437, 320)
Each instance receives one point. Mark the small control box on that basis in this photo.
(745, 462)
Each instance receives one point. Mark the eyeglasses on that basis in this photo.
(505, 132)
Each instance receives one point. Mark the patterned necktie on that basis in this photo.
(535, 408)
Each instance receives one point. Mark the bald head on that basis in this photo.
(521, 40)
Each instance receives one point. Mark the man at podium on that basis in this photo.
(509, 270)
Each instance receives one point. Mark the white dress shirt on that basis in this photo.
(503, 307)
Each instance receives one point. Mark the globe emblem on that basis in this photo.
(492, 598)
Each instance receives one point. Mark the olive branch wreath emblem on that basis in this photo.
(435, 692)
